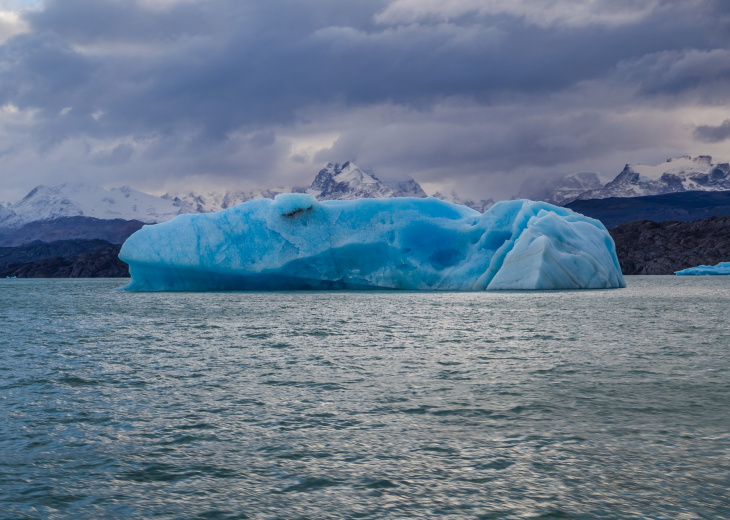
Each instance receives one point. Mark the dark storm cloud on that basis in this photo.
(222, 65)
(42, 71)
(118, 155)
(84, 21)
(713, 134)
(187, 77)
(467, 141)
(678, 72)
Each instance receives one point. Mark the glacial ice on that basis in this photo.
(297, 242)
(721, 268)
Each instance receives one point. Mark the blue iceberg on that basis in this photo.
(721, 268)
(297, 242)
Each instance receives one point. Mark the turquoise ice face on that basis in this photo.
(723, 268)
(297, 242)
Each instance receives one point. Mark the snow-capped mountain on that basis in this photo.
(347, 181)
(334, 182)
(76, 200)
(559, 190)
(216, 201)
(676, 175)
(481, 205)
(405, 188)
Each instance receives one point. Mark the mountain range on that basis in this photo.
(348, 181)
(676, 175)
(45, 203)
(334, 182)
(75, 230)
(680, 174)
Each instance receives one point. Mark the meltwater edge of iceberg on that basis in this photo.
(723, 268)
(297, 242)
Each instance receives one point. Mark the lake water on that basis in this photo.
(596, 404)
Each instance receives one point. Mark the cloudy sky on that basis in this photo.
(475, 95)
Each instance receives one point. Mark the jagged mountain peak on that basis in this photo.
(348, 181)
(678, 174)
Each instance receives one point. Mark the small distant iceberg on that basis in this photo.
(297, 242)
(723, 268)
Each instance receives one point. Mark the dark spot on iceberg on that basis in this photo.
(296, 212)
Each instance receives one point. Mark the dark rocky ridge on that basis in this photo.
(63, 259)
(685, 206)
(646, 247)
(70, 228)
(37, 251)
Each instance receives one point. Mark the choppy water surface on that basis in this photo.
(601, 404)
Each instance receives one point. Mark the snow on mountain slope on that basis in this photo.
(347, 182)
(676, 175)
(216, 201)
(481, 205)
(335, 182)
(5, 213)
(76, 200)
(559, 190)
(405, 188)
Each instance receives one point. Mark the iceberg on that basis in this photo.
(296, 242)
(721, 268)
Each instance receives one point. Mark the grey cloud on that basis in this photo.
(272, 65)
(677, 72)
(84, 21)
(211, 86)
(10, 25)
(570, 13)
(713, 134)
(43, 72)
(263, 139)
(118, 155)
(490, 149)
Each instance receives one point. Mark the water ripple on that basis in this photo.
(605, 404)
